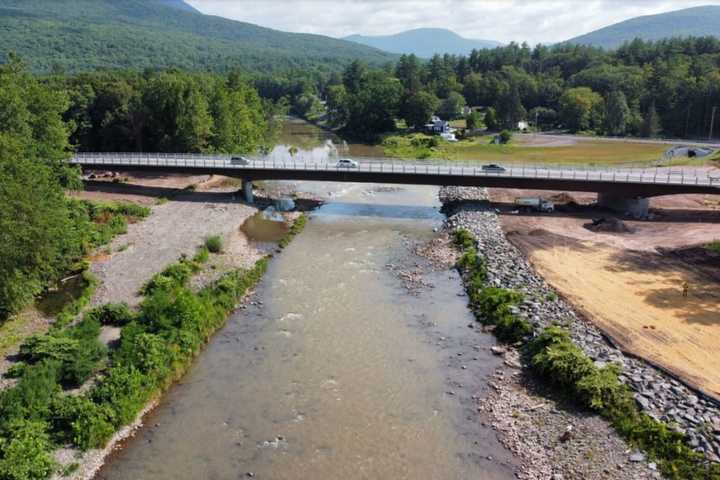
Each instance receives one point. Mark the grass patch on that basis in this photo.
(480, 149)
(553, 356)
(297, 227)
(214, 244)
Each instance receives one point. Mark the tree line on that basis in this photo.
(43, 233)
(643, 88)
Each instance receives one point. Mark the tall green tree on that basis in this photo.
(417, 108)
(617, 114)
(581, 109)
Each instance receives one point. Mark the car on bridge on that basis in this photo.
(347, 163)
(239, 161)
(493, 168)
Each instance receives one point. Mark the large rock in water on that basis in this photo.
(284, 204)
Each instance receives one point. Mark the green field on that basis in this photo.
(583, 152)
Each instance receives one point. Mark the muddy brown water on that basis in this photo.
(334, 370)
(260, 229)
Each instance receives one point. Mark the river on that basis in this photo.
(335, 370)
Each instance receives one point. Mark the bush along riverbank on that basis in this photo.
(552, 353)
(73, 393)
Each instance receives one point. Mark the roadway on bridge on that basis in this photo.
(643, 181)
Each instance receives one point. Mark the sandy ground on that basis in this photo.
(629, 289)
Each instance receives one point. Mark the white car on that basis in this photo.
(347, 163)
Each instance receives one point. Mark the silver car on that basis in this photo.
(347, 163)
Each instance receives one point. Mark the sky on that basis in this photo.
(534, 21)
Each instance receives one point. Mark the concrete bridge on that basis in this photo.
(626, 189)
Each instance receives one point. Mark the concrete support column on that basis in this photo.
(636, 207)
(247, 189)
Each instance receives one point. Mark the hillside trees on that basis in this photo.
(581, 109)
(164, 112)
(38, 235)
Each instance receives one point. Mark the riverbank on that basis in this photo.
(215, 280)
(507, 268)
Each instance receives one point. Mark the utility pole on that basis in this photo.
(712, 123)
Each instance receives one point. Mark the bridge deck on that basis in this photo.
(630, 181)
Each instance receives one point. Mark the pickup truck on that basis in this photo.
(535, 203)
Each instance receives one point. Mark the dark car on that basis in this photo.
(239, 161)
(493, 168)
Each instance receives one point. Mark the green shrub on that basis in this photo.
(25, 452)
(79, 420)
(202, 255)
(493, 304)
(124, 390)
(464, 240)
(505, 137)
(174, 276)
(17, 370)
(30, 399)
(214, 244)
(511, 329)
(114, 314)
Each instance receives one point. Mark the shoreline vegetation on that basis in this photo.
(46, 412)
(553, 357)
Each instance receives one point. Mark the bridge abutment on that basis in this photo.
(636, 207)
(247, 190)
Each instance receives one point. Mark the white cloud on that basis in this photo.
(504, 20)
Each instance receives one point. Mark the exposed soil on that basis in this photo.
(628, 276)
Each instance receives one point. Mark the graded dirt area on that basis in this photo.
(631, 290)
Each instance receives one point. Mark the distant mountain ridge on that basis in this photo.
(424, 42)
(179, 4)
(689, 22)
(77, 35)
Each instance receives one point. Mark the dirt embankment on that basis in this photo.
(631, 282)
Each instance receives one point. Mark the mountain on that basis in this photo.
(80, 35)
(179, 4)
(695, 22)
(424, 42)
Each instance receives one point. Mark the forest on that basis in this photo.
(666, 88)
(43, 233)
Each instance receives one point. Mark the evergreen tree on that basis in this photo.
(617, 114)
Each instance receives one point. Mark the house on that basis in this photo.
(438, 125)
(522, 126)
(466, 111)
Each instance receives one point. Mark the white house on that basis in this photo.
(438, 125)
(522, 126)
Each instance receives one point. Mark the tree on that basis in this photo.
(417, 108)
(581, 109)
(651, 126)
(354, 76)
(372, 109)
(511, 110)
(617, 114)
(451, 107)
(491, 120)
(473, 121)
(409, 71)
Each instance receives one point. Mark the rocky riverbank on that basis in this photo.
(657, 393)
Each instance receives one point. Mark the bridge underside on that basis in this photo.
(620, 189)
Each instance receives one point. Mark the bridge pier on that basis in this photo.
(247, 190)
(636, 207)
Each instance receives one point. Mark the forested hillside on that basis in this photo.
(647, 89)
(690, 22)
(81, 35)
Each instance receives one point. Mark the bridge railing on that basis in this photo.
(656, 175)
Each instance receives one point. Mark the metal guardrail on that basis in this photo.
(657, 176)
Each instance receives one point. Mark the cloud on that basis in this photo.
(533, 21)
